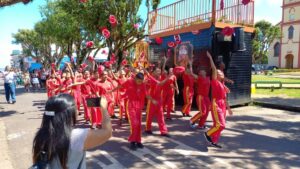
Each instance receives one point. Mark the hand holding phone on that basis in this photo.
(93, 102)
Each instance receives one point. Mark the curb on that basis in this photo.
(277, 106)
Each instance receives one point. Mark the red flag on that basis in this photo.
(89, 44)
(113, 20)
(246, 2)
(124, 62)
(159, 40)
(106, 33)
(227, 31)
(222, 4)
(90, 58)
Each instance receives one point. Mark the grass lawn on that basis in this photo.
(272, 78)
(295, 93)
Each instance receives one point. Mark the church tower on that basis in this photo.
(290, 41)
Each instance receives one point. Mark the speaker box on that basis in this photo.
(239, 39)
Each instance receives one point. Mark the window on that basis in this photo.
(291, 32)
(292, 14)
(276, 49)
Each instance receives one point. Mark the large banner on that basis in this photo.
(183, 54)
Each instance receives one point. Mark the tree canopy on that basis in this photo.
(265, 34)
(67, 26)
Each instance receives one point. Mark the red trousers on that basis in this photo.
(219, 118)
(188, 94)
(87, 110)
(135, 121)
(204, 105)
(155, 111)
(96, 116)
(122, 108)
(169, 102)
(77, 97)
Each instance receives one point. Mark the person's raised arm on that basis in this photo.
(100, 136)
(213, 66)
(191, 70)
(176, 86)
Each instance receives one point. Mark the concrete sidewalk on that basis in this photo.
(276, 102)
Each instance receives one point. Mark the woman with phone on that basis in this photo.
(58, 142)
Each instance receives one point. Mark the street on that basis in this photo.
(254, 137)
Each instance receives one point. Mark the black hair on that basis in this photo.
(54, 135)
(139, 76)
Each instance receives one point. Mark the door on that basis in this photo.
(289, 61)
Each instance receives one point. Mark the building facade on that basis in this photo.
(290, 42)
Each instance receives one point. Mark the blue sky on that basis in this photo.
(21, 16)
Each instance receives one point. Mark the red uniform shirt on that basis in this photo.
(155, 89)
(86, 89)
(188, 80)
(203, 86)
(65, 84)
(170, 82)
(135, 93)
(122, 90)
(218, 90)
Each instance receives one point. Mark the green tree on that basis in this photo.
(265, 34)
(92, 17)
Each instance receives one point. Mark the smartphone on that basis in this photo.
(93, 102)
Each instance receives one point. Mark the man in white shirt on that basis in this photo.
(9, 85)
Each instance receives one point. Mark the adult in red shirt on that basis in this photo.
(219, 105)
(156, 109)
(203, 101)
(188, 91)
(169, 89)
(136, 93)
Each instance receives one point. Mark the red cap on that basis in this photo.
(101, 69)
(178, 69)
(171, 44)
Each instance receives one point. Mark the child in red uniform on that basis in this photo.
(203, 101)
(188, 91)
(219, 105)
(121, 98)
(156, 109)
(86, 93)
(52, 84)
(107, 86)
(169, 89)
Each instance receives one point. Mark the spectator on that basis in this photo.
(26, 79)
(35, 80)
(9, 85)
(62, 143)
(43, 78)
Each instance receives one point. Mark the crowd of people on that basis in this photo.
(130, 89)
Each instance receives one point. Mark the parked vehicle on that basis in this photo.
(272, 68)
(256, 69)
